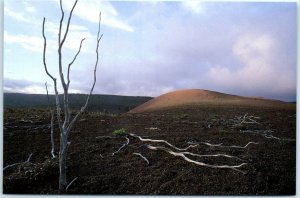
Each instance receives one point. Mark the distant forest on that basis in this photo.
(98, 102)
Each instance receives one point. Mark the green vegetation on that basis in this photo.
(119, 132)
(285, 141)
(180, 116)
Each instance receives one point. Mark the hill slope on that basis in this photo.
(190, 97)
(98, 102)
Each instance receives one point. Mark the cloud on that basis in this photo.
(89, 10)
(260, 70)
(23, 86)
(36, 43)
(16, 15)
(31, 43)
(244, 49)
(195, 6)
(30, 9)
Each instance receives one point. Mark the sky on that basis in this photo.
(150, 48)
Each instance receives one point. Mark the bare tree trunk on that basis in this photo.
(52, 136)
(68, 123)
(63, 162)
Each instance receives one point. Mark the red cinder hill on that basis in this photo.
(199, 97)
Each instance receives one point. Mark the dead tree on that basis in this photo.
(66, 122)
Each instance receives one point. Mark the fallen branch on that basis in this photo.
(152, 128)
(220, 145)
(139, 154)
(182, 154)
(239, 121)
(11, 165)
(271, 136)
(213, 155)
(123, 145)
(71, 183)
(264, 133)
(162, 141)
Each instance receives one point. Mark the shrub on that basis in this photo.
(119, 132)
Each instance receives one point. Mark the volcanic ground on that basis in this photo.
(210, 144)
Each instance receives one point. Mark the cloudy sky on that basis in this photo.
(150, 48)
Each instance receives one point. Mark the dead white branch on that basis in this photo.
(152, 128)
(182, 154)
(220, 145)
(162, 141)
(213, 155)
(123, 145)
(71, 183)
(240, 120)
(11, 165)
(143, 157)
(264, 133)
(271, 137)
(51, 127)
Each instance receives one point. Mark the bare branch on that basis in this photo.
(44, 52)
(68, 24)
(123, 145)
(220, 145)
(52, 128)
(162, 141)
(70, 64)
(143, 157)
(71, 183)
(213, 155)
(271, 136)
(61, 21)
(180, 154)
(54, 79)
(264, 133)
(95, 78)
(11, 165)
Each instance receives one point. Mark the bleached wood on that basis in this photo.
(162, 141)
(143, 157)
(51, 126)
(123, 145)
(11, 165)
(182, 155)
(68, 186)
(220, 145)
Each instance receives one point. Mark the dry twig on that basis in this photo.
(11, 165)
(123, 145)
(139, 154)
(220, 145)
(71, 183)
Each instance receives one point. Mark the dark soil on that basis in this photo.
(270, 168)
